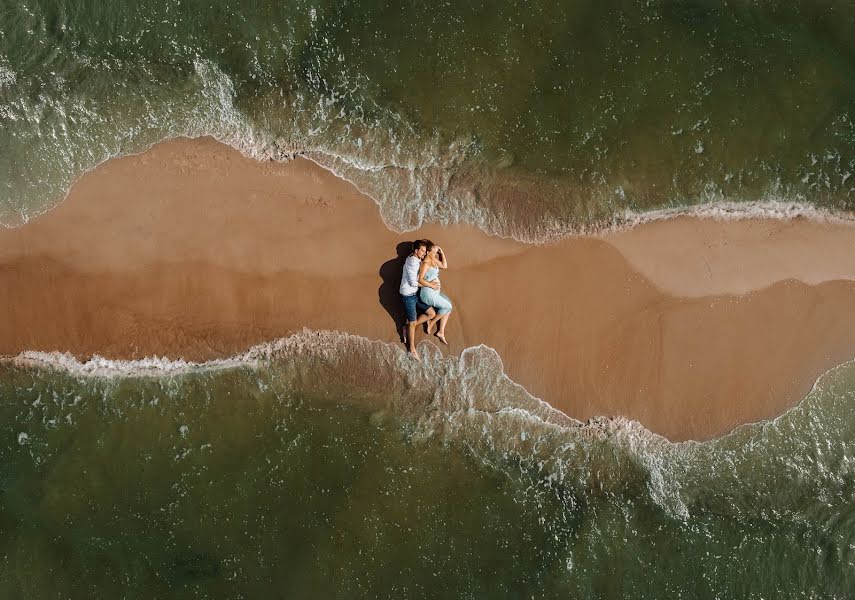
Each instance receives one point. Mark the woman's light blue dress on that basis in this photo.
(433, 297)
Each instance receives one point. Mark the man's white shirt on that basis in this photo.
(410, 277)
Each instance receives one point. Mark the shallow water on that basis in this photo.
(530, 119)
(289, 475)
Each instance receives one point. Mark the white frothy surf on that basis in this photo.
(771, 209)
(98, 366)
(8, 77)
(473, 381)
(412, 182)
(471, 399)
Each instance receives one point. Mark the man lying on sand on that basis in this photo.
(416, 311)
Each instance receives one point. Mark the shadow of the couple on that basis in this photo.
(390, 299)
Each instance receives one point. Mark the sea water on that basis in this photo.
(530, 119)
(288, 473)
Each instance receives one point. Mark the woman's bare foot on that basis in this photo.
(430, 323)
(415, 354)
(441, 338)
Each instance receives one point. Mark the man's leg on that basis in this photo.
(410, 303)
(425, 317)
(411, 329)
(411, 338)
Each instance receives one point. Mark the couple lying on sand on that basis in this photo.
(423, 302)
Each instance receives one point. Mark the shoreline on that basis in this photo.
(191, 250)
(775, 210)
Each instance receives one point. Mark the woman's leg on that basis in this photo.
(429, 326)
(443, 319)
(443, 309)
(429, 298)
(430, 317)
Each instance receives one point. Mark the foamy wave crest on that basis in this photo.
(772, 209)
(474, 382)
(98, 366)
(413, 181)
(410, 196)
(7, 75)
(470, 400)
(436, 191)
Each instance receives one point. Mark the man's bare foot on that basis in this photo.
(441, 338)
(415, 354)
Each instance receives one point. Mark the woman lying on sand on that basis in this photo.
(429, 292)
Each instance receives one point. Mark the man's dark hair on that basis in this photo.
(418, 244)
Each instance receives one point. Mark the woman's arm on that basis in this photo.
(441, 256)
(424, 282)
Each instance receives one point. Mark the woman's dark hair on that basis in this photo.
(429, 245)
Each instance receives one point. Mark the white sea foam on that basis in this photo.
(408, 212)
(474, 381)
(412, 184)
(471, 399)
(408, 201)
(7, 76)
(410, 195)
(98, 366)
(772, 209)
(476, 376)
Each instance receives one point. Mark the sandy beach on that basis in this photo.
(192, 251)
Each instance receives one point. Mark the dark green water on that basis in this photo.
(528, 118)
(297, 476)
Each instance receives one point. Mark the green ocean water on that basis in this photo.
(292, 477)
(528, 118)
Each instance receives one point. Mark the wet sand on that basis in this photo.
(192, 251)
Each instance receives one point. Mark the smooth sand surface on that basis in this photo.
(193, 251)
(702, 257)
